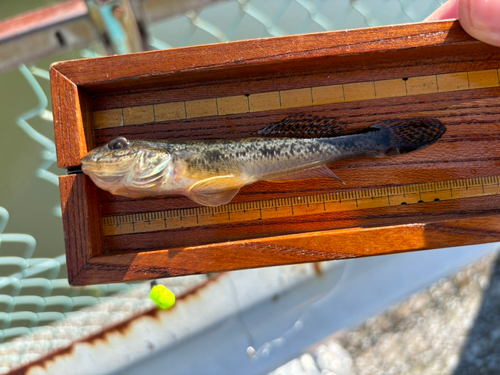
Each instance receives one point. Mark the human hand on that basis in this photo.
(479, 18)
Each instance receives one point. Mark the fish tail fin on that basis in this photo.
(406, 135)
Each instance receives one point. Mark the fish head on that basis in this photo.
(125, 167)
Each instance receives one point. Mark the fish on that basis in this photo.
(211, 172)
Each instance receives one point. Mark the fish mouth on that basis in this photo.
(102, 176)
(108, 179)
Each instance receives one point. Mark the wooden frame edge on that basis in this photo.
(73, 120)
(267, 50)
(81, 221)
(289, 249)
(87, 260)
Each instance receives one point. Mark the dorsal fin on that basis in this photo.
(302, 125)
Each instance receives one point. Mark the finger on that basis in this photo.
(480, 18)
(447, 11)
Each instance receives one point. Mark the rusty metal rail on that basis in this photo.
(120, 24)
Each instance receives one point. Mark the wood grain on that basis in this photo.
(151, 69)
(419, 58)
(298, 248)
(73, 120)
(81, 222)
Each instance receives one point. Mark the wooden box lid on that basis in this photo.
(232, 90)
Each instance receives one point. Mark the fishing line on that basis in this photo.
(265, 349)
(239, 314)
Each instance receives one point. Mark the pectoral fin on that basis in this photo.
(215, 191)
(322, 172)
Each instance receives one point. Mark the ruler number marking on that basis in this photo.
(123, 224)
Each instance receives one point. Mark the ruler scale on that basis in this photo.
(299, 206)
(297, 98)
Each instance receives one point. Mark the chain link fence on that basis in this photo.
(251, 19)
(34, 292)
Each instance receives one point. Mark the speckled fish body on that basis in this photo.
(211, 172)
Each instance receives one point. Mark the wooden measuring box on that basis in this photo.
(444, 195)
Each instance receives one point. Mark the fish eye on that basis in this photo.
(118, 143)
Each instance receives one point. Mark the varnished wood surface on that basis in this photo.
(73, 120)
(149, 69)
(470, 148)
(81, 222)
(368, 218)
(331, 70)
(296, 98)
(307, 247)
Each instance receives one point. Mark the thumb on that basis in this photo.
(481, 19)
(447, 11)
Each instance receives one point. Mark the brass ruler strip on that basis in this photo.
(295, 98)
(300, 206)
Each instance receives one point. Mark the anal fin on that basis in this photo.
(322, 172)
